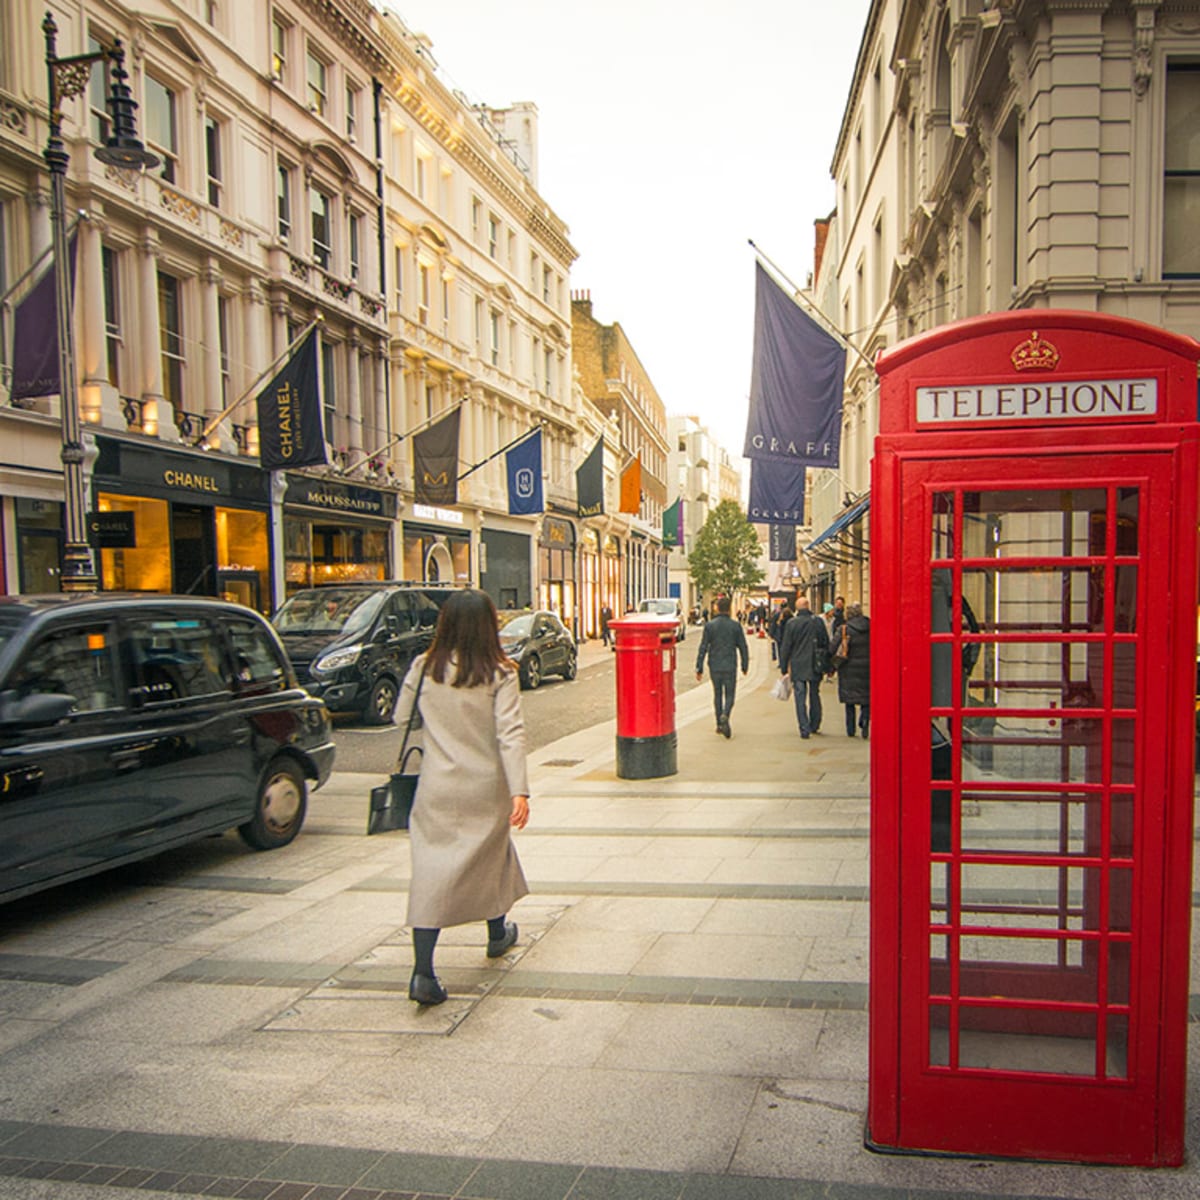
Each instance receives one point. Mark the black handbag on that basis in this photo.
(392, 802)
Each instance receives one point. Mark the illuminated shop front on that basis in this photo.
(335, 532)
(556, 571)
(599, 578)
(437, 546)
(176, 522)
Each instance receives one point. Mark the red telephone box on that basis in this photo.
(1033, 522)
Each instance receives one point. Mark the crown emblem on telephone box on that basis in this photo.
(1035, 353)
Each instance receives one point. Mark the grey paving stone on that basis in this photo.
(149, 1152)
(10, 1129)
(231, 1156)
(520, 1181)
(324, 1164)
(741, 1187)
(613, 1183)
(420, 1173)
(66, 1143)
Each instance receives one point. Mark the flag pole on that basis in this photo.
(266, 371)
(810, 308)
(36, 265)
(508, 446)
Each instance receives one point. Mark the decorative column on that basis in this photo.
(354, 439)
(210, 347)
(156, 421)
(255, 316)
(38, 202)
(89, 320)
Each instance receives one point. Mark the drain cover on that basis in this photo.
(561, 762)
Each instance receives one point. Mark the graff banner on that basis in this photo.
(589, 483)
(435, 462)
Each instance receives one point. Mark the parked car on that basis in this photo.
(351, 643)
(131, 724)
(540, 644)
(666, 606)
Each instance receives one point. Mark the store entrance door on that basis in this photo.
(194, 552)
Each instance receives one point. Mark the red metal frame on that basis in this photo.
(1110, 939)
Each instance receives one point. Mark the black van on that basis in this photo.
(130, 724)
(351, 643)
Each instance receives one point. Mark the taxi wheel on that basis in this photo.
(531, 672)
(279, 810)
(572, 667)
(381, 703)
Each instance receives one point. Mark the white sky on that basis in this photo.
(670, 131)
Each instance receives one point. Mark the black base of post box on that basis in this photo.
(647, 758)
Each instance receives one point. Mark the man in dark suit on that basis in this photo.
(804, 654)
(723, 641)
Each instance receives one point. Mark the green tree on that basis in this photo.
(725, 559)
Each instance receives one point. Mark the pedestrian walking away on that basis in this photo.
(474, 787)
(854, 673)
(605, 633)
(722, 643)
(804, 654)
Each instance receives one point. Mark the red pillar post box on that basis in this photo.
(647, 744)
(1034, 567)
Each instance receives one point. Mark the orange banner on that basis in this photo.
(631, 488)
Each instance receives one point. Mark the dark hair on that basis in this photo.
(468, 631)
(723, 605)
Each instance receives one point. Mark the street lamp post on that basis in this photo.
(68, 77)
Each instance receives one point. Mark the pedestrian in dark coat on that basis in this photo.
(723, 642)
(854, 675)
(605, 633)
(804, 654)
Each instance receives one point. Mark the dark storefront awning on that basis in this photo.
(838, 543)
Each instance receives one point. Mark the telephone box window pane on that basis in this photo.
(1037, 675)
(1025, 895)
(1048, 749)
(1024, 968)
(939, 964)
(1123, 733)
(1029, 1040)
(1038, 599)
(1121, 804)
(1117, 1047)
(1118, 972)
(939, 1035)
(943, 525)
(1059, 523)
(1120, 899)
(939, 892)
(1031, 823)
(1125, 579)
(1124, 675)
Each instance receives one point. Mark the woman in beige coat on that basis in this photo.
(473, 788)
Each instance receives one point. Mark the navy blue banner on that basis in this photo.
(523, 465)
(776, 493)
(435, 462)
(796, 383)
(589, 483)
(35, 335)
(783, 543)
(289, 413)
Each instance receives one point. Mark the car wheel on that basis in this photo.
(381, 703)
(531, 672)
(279, 809)
(572, 667)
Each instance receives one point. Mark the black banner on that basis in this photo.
(783, 543)
(589, 483)
(111, 530)
(435, 462)
(289, 413)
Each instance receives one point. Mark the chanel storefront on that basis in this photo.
(193, 523)
(335, 532)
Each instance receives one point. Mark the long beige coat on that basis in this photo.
(464, 864)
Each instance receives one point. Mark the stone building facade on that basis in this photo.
(313, 166)
(1000, 154)
(614, 380)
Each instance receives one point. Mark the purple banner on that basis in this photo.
(35, 336)
(776, 493)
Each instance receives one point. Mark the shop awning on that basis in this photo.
(838, 543)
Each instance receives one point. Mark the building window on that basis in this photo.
(98, 94)
(352, 227)
(328, 393)
(322, 246)
(493, 235)
(223, 338)
(549, 372)
(423, 302)
(533, 272)
(279, 49)
(112, 314)
(547, 275)
(283, 200)
(495, 338)
(352, 94)
(170, 322)
(212, 12)
(478, 324)
(445, 306)
(161, 134)
(476, 218)
(512, 250)
(1181, 187)
(401, 251)
(317, 96)
(212, 160)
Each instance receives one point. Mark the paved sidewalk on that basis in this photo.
(684, 1017)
